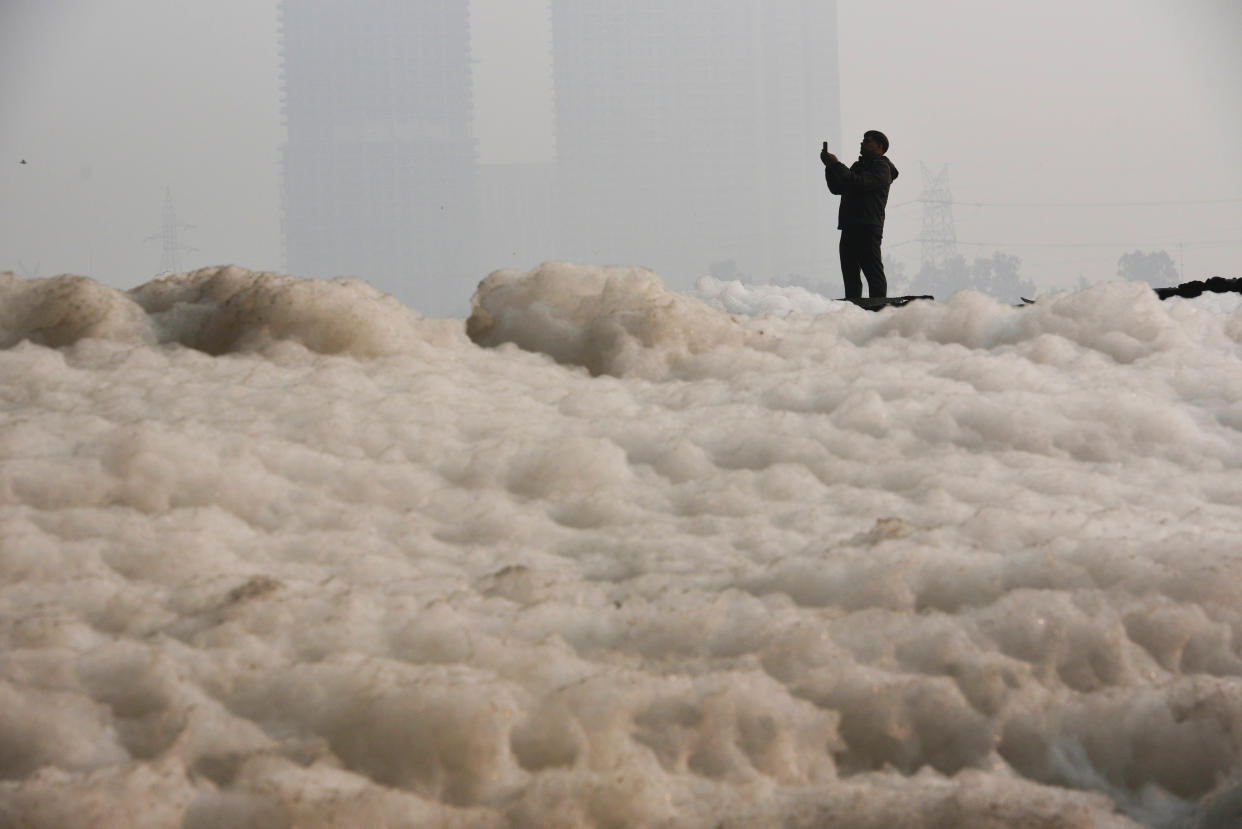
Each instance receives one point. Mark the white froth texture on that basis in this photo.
(608, 320)
(217, 310)
(283, 553)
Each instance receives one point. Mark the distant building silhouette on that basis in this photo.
(688, 134)
(516, 209)
(685, 136)
(380, 166)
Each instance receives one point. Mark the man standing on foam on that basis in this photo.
(863, 189)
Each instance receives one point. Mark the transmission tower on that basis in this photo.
(938, 236)
(170, 260)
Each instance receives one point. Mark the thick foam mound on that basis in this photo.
(608, 320)
(623, 321)
(64, 309)
(217, 310)
(673, 562)
(740, 298)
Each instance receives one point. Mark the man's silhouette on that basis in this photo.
(863, 188)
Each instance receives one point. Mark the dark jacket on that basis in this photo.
(863, 189)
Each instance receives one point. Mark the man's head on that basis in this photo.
(874, 144)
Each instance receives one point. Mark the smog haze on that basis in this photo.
(1069, 134)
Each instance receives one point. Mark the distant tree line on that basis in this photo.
(1155, 268)
(997, 275)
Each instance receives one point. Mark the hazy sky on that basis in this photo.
(1116, 101)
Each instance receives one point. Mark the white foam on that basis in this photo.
(64, 309)
(737, 558)
(217, 310)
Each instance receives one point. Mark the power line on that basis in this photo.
(1201, 242)
(1074, 204)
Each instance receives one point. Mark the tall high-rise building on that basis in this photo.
(688, 134)
(380, 165)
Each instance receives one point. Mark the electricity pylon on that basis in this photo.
(170, 260)
(938, 236)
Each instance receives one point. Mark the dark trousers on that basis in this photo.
(860, 249)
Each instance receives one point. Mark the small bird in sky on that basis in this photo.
(23, 161)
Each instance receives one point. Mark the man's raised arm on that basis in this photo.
(869, 177)
(831, 162)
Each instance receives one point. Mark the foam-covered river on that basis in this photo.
(282, 553)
